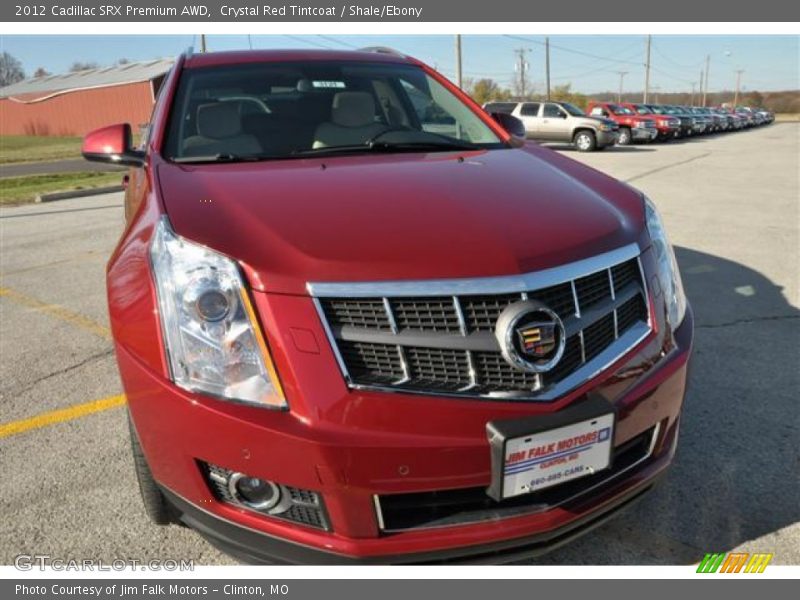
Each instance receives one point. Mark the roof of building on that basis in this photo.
(90, 78)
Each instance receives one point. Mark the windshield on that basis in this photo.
(284, 110)
(643, 110)
(572, 109)
(620, 110)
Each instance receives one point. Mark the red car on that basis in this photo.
(668, 126)
(358, 321)
(632, 126)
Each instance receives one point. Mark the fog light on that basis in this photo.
(254, 492)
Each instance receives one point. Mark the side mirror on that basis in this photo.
(510, 123)
(113, 144)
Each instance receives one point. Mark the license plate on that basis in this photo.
(550, 454)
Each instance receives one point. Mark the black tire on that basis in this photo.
(155, 505)
(585, 141)
(625, 138)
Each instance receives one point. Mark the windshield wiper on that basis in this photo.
(226, 157)
(373, 146)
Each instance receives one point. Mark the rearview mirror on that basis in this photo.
(510, 123)
(112, 144)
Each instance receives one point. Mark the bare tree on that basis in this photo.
(41, 72)
(123, 61)
(82, 66)
(10, 70)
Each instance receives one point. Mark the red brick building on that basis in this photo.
(75, 103)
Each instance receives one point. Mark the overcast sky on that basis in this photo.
(590, 63)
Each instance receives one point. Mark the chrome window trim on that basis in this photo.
(476, 286)
(653, 441)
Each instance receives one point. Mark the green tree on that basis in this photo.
(486, 90)
(564, 93)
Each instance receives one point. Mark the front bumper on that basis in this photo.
(349, 464)
(643, 134)
(255, 547)
(606, 138)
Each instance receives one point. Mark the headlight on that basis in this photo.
(213, 341)
(668, 274)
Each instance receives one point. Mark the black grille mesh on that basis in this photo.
(630, 312)
(367, 313)
(437, 365)
(481, 312)
(624, 274)
(410, 364)
(593, 289)
(426, 314)
(372, 362)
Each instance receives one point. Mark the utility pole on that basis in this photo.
(621, 77)
(647, 70)
(705, 89)
(702, 77)
(203, 43)
(522, 69)
(738, 82)
(458, 60)
(547, 64)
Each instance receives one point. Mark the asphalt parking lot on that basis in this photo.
(732, 205)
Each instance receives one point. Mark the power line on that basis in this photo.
(668, 59)
(304, 41)
(338, 41)
(571, 51)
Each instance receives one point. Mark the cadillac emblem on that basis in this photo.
(531, 336)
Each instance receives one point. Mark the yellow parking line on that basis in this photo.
(59, 416)
(57, 311)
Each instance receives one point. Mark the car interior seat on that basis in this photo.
(219, 131)
(352, 121)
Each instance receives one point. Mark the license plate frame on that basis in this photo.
(500, 433)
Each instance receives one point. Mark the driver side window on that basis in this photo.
(553, 111)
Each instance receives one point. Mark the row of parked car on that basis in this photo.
(604, 124)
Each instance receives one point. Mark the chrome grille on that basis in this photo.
(438, 338)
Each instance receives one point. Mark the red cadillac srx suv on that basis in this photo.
(358, 321)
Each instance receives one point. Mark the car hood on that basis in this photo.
(401, 216)
(603, 120)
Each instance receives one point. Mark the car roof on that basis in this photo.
(254, 56)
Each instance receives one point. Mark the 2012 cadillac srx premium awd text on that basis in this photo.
(357, 320)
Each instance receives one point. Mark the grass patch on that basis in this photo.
(18, 190)
(32, 148)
